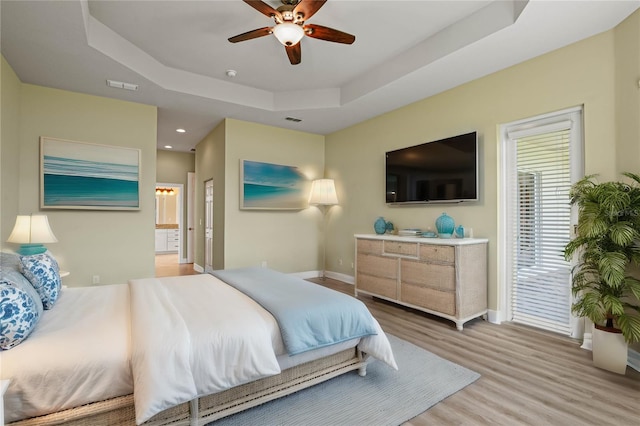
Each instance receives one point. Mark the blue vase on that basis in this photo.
(380, 225)
(389, 227)
(460, 231)
(445, 226)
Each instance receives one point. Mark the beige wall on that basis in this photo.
(115, 245)
(210, 165)
(581, 74)
(627, 57)
(172, 167)
(9, 149)
(288, 241)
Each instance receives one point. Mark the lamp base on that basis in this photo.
(31, 249)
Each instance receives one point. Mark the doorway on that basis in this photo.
(541, 158)
(172, 242)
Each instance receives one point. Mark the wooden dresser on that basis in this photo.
(444, 277)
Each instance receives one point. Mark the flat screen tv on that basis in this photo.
(442, 171)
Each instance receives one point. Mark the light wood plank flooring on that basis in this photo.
(529, 377)
(167, 266)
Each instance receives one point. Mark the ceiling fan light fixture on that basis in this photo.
(288, 33)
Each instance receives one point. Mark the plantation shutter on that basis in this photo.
(540, 226)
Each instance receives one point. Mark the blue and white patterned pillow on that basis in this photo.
(18, 315)
(10, 271)
(43, 273)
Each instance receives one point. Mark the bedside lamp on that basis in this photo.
(31, 232)
(323, 193)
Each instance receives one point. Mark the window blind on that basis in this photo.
(541, 214)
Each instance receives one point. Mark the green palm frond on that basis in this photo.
(613, 267)
(608, 241)
(630, 326)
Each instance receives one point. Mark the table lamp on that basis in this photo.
(31, 232)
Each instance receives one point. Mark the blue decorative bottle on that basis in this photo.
(445, 226)
(380, 226)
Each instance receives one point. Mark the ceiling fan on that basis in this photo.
(290, 26)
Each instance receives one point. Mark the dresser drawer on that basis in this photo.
(385, 287)
(440, 301)
(432, 275)
(437, 253)
(401, 248)
(384, 267)
(370, 246)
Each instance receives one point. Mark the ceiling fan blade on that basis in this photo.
(263, 8)
(328, 34)
(294, 53)
(308, 7)
(260, 32)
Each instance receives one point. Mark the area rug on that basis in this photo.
(383, 397)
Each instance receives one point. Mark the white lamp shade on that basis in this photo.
(32, 229)
(288, 33)
(323, 192)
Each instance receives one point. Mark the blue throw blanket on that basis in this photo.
(310, 316)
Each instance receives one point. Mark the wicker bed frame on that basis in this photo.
(120, 410)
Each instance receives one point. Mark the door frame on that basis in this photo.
(505, 165)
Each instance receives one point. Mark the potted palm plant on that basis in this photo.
(607, 245)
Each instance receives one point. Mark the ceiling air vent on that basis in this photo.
(295, 120)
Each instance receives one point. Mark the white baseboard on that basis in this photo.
(494, 317)
(633, 359)
(348, 279)
(198, 268)
(587, 341)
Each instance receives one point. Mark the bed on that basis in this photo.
(101, 355)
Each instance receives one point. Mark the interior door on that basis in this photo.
(191, 191)
(208, 228)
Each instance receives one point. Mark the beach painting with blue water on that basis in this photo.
(266, 186)
(81, 175)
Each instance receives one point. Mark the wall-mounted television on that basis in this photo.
(442, 171)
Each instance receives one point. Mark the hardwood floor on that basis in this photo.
(167, 266)
(529, 377)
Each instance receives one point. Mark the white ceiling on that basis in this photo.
(178, 54)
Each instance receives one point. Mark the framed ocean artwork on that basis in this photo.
(82, 175)
(266, 186)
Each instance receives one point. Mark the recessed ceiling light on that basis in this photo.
(181, 131)
(231, 73)
(168, 146)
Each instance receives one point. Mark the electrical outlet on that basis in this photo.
(95, 279)
(351, 265)
(340, 262)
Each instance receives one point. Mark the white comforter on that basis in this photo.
(190, 336)
(77, 354)
(194, 335)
